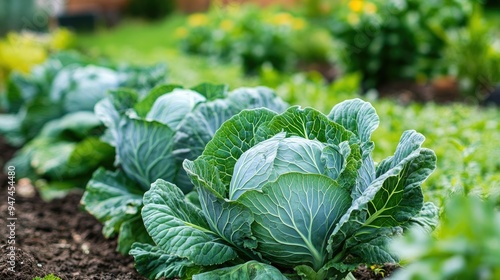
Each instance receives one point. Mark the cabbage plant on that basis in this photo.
(50, 112)
(66, 83)
(152, 135)
(290, 195)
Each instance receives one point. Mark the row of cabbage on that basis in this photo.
(210, 183)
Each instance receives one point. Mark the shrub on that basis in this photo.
(391, 40)
(243, 35)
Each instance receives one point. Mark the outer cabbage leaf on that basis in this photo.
(170, 109)
(20, 89)
(110, 117)
(427, 219)
(87, 156)
(154, 263)
(307, 123)
(211, 91)
(205, 175)
(61, 160)
(36, 114)
(10, 129)
(143, 106)
(75, 125)
(50, 159)
(251, 270)
(394, 197)
(294, 217)
(342, 163)
(145, 151)
(82, 87)
(331, 270)
(370, 245)
(179, 228)
(357, 116)
(360, 118)
(400, 197)
(229, 219)
(132, 231)
(258, 97)
(196, 130)
(142, 78)
(113, 199)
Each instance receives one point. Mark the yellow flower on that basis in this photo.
(283, 19)
(353, 19)
(356, 5)
(181, 32)
(198, 19)
(226, 25)
(370, 8)
(298, 24)
(61, 39)
(21, 57)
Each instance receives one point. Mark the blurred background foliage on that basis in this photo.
(426, 65)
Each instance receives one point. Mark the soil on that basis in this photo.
(56, 237)
(365, 273)
(329, 71)
(440, 90)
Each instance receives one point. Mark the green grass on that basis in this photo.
(142, 42)
(463, 137)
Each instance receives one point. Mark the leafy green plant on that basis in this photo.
(466, 245)
(392, 40)
(294, 195)
(64, 154)
(51, 111)
(65, 83)
(245, 35)
(47, 277)
(471, 56)
(152, 135)
(462, 137)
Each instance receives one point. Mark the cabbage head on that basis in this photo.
(293, 195)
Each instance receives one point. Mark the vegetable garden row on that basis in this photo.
(210, 183)
(298, 179)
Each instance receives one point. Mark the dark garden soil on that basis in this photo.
(441, 90)
(56, 237)
(59, 238)
(366, 273)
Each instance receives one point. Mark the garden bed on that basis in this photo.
(59, 238)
